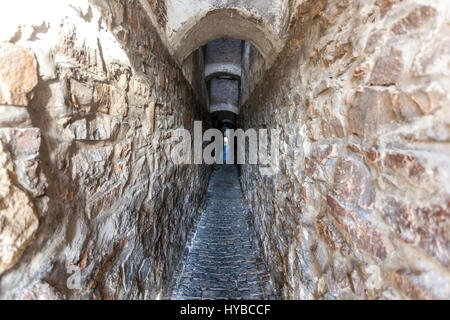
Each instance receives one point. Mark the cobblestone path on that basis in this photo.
(223, 262)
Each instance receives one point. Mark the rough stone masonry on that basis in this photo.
(86, 95)
(360, 205)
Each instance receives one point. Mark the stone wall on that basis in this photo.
(87, 96)
(360, 207)
(253, 69)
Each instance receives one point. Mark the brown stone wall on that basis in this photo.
(160, 11)
(86, 180)
(360, 207)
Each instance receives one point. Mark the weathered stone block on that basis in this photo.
(386, 5)
(101, 97)
(406, 108)
(313, 130)
(41, 291)
(81, 92)
(118, 102)
(18, 221)
(314, 170)
(361, 70)
(101, 128)
(24, 145)
(374, 41)
(418, 17)
(353, 181)
(406, 168)
(332, 236)
(371, 110)
(402, 161)
(11, 116)
(78, 129)
(18, 74)
(388, 69)
(434, 59)
(332, 127)
(364, 236)
(324, 152)
(426, 227)
(409, 288)
(411, 105)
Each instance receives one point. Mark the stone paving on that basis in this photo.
(223, 261)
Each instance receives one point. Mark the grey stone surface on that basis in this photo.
(190, 24)
(224, 95)
(223, 261)
(223, 57)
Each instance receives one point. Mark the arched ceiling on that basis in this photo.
(189, 24)
(226, 23)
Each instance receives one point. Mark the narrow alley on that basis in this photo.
(224, 262)
(114, 115)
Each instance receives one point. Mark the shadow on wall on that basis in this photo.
(112, 208)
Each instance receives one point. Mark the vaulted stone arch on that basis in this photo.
(226, 23)
(223, 57)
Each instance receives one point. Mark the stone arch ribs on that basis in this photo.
(223, 57)
(224, 95)
(226, 23)
(190, 25)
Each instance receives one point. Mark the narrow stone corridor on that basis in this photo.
(113, 115)
(223, 262)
